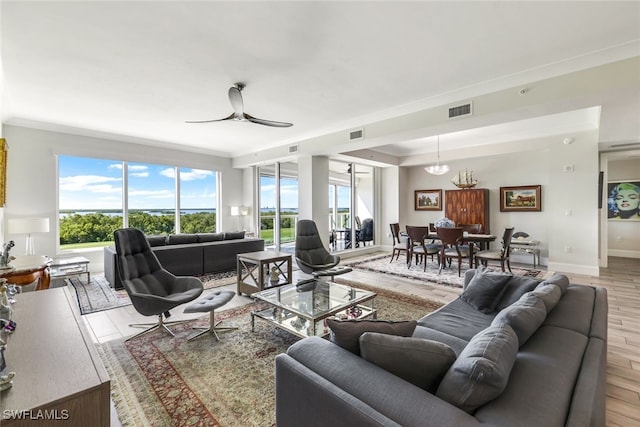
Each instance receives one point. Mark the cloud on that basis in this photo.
(139, 174)
(91, 183)
(195, 174)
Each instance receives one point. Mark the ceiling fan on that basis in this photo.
(235, 98)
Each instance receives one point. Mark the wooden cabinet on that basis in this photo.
(469, 206)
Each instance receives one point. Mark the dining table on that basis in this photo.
(483, 241)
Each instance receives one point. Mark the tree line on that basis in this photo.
(98, 227)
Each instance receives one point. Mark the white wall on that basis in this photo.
(623, 237)
(32, 177)
(569, 218)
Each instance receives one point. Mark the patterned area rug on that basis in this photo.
(157, 380)
(448, 276)
(99, 296)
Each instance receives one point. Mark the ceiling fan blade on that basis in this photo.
(235, 98)
(267, 122)
(230, 117)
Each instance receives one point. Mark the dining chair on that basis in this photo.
(471, 229)
(400, 245)
(501, 255)
(417, 246)
(451, 247)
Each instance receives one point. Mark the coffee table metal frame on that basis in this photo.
(302, 308)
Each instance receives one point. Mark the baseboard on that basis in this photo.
(585, 270)
(623, 253)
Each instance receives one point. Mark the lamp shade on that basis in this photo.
(239, 210)
(437, 169)
(28, 225)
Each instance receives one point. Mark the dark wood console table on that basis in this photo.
(26, 275)
(58, 369)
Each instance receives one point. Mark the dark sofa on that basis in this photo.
(190, 254)
(549, 369)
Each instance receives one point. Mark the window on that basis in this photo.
(91, 198)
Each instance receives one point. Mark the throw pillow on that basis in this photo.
(209, 237)
(525, 316)
(560, 280)
(181, 239)
(157, 240)
(514, 289)
(483, 290)
(481, 372)
(549, 294)
(419, 361)
(232, 235)
(346, 333)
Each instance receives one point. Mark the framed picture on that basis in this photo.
(525, 198)
(623, 200)
(428, 200)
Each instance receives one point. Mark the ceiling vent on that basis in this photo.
(356, 134)
(461, 110)
(293, 148)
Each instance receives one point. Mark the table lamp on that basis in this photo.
(29, 226)
(239, 211)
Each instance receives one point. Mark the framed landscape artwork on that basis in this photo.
(428, 200)
(623, 200)
(525, 198)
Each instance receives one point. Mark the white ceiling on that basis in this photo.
(140, 69)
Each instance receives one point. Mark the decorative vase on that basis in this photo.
(274, 275)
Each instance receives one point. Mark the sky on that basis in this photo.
(95, 184)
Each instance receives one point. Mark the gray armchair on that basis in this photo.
(153, 290)
(311, 255)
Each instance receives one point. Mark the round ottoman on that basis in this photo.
(208, 304)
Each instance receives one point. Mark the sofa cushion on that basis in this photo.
(559, 280)
(346, 333)
(481, 372)
(181, 239)
(456, 344)
(514, 289)
(209, 237)
(232, 235)
(458, 319)
(418, 361)
(483, 290)
(157, 240)
(549, 294)
(525, 316)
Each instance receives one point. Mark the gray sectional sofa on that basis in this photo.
(190, 254)
(520, 353)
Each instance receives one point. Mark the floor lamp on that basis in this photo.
(29, 226)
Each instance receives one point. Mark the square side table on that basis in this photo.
(254, 267)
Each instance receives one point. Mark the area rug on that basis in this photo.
(157, 380)
(448, 276)
(98, 295)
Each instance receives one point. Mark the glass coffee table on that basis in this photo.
(302, 308)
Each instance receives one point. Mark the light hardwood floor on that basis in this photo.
(621, 278)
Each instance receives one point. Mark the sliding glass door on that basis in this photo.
(278, 205)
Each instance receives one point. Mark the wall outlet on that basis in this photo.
(567, 249)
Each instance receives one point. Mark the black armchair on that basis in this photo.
(311, 255)
(153, 290)
(365, 234)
